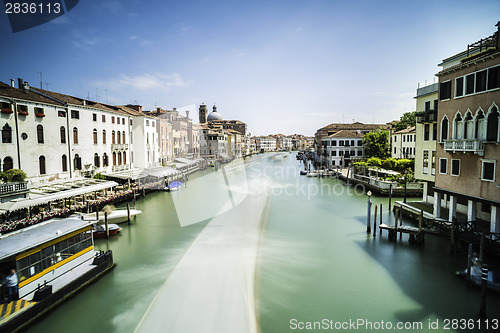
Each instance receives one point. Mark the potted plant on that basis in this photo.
(22, 113)
(7, 110)
(39, 114)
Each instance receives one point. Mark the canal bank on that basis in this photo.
(315, 260)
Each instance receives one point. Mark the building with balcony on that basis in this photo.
(426, 138)
(468, 149)
(341, 148)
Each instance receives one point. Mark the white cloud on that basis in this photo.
(147, 81)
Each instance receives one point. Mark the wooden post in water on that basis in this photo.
(97, 213)
(380, 213)
(452, 236)
(484, 286)
(133, 194)
(469, 263)
(481, 248)
(128, 213)
(390, 196)
(106, 224)
(368, 226)
(375, 222)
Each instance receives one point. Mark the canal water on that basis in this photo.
(254, 247)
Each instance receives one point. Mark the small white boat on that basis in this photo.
(313, 174)
(114, 216)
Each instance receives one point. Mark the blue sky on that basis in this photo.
(280, 66)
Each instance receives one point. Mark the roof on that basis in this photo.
(474, 59)
(406, 130)
(20, 241)
(346, 134)
(353, 126)
(8, 91)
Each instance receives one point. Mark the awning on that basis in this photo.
(56, 191)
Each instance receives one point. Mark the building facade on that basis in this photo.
(403, 143)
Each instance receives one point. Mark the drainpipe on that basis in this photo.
(70, 163)
(13, 103)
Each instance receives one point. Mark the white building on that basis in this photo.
(266, 143)
(403, 143)
(340, 148)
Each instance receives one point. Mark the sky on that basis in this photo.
(280, 66)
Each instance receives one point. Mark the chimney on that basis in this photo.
(12, 83)
(498, 35)
(84, 102)
(187, 114)
(19, 83)
(26, 86)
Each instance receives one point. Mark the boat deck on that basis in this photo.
(8, 310)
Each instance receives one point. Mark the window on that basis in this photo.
(6, 134)
(334, 153)
(130, 122)
(334, 142)
(444, 128)
(62, 132)
(492, 125)
(360, 153)
(112, 119)
(469, 84)
(113, 137)
(123, 121)
(395, 139)
(404, 138)
(61, 113)
(459, 87)
(114, 158)
(433, 162)
(443, 165)
(360, 143)
(123, 137)
(75, 114)
(119, 158)
(124, 158)
(445, 90)
(41, 164)
(103, 118)
(436, 105)
(104, 137)
(96, 160)
(77, 162)
(8, 163)
(64, 161)
(427, 106)
(105, 160)
(39, 112)
(147, 122)
(341, 142)
(494, 77)
(94, 116)
(481, 81)
(455, 167)
(75, 135)
(20, 108)
(118, 137)
(94, 136)
(39, 133)
(488, 170)
(434, 132)
(425, 162)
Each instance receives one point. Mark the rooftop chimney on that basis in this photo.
(187, 114)
(19, 83)
(12, 83)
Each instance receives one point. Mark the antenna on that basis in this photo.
(88, 94)
(96, 94)
(47, 84)
(40, 78)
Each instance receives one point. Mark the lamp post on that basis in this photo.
(368, 227)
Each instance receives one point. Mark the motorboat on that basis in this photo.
(313, 174)
(173, 186)
(100, 230)
(476, 273)
(114, 215)
(303, 172)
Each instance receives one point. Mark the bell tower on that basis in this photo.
(203, 113)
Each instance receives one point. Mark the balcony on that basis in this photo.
(426, 117)
(464, 146)
(117, 146)
(122, 167)
(10, 191)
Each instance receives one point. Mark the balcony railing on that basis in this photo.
(13, 188)
(118, 146)
(122, 167)
(426, 116)
(464, 145)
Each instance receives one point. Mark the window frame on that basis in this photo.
(494, 162)
(441, 159)
(451, 169)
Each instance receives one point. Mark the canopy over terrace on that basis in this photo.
(45, 193)
(136, 174)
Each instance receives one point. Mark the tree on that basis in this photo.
(13, 175)
(407, 119)
(376, 144)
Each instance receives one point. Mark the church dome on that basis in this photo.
(214, 115)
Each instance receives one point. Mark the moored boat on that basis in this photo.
(303, 172)
(114, 216)
(173, 186)
(313, 174)
(100, 230)
(476, 273)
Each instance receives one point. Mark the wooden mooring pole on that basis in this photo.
(481, 248)
(133, 194)
(128, 213)
(375, 221)
(390, 196)
(368, 224)
(484, 286)
(106, 224)
(452, 236)
(469, 263)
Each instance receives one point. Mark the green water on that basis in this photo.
(315, 260)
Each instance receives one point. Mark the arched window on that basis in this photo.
(114, 158)
(105, 160)
(94, 135)
(62, 131)
(77, 162)
(118, 137)
(123, 137)
(39, 133)
(96, 160)
(480, 125)
(468, 126)
(124, 158)
(64, 161)
(492, 125)
(8, 163)
(444, 128)
(113, 137)
(75, 135)
(104, 136)
(41, 164)
(119, 157)
(6, 134)
(458, 127)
